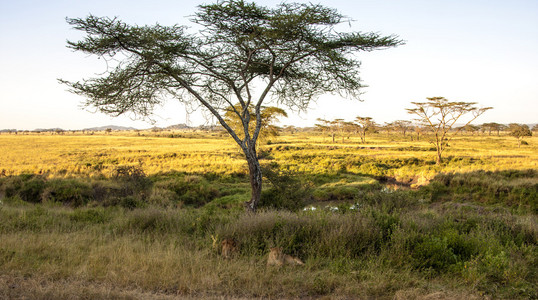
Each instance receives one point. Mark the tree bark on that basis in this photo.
(255, 174)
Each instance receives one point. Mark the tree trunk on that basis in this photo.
(439, 152)
(255, 174)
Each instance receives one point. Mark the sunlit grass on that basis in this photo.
(97, 155)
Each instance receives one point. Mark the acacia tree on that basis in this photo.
(327, 126)
(519, 131)
(470, 128)
(366, 124)
(244, 53)
(402, 125)
(493, 127)
(440, 116)
(340, 126)
(269, 116)
(419, 129)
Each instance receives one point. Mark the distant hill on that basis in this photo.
(177, 127)
(113, 127)
(48, 129)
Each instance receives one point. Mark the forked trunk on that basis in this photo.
(255, 174)
(438, 158)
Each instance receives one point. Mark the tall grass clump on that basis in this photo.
(512, 188)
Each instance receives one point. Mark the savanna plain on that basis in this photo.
(141, 215)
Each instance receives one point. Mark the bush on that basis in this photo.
(31, 190)
(189, 190)
(286, 191)
(67, 191)
(27, 187)
(133, 180)
(92, 216)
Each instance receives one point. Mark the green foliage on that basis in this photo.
(31, 189)
(286, 191)
(67, 191)
(91, 215)
(188, 190)
(519, 130)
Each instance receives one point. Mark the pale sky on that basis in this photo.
(469, 50)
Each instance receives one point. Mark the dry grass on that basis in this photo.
(98, 155)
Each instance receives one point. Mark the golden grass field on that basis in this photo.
(92, 155)
(96, 155)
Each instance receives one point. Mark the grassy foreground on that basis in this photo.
(130, 233)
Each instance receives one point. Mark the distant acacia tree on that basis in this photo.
(493, 127)
(350, 128)
(340, 126)
(326, 126)
(290, 129)
(419, 130)
(402, 125)
(244, 53)
(269, 116)
(440, 116)
(366, 124)
(519, 131)
(387, 127)
(470, 128)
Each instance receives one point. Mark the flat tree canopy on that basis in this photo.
(440, 116)
(243, 55)
(519, 131)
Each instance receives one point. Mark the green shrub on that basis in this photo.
(31, 189)
(67, 191)
(131, 202)
(286, 191)
(194, 191)
(105, 191)
(9, 186)
(92, 216)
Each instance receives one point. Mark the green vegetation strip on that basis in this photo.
(462, 236)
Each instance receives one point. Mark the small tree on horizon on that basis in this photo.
(244, 53)
(440, 116)
(493, 127)
(326, 126)
(470, 128)
(402, 125)
(366, 124)
(519, 131)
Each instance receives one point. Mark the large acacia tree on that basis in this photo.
(244, 53)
